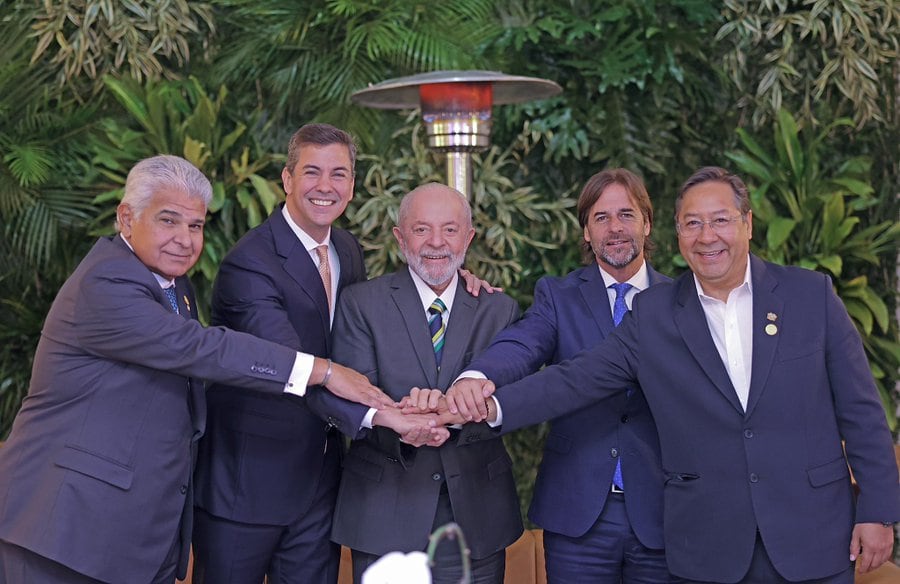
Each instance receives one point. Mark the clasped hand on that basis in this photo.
(465, 401)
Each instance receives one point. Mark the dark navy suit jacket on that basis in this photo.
(780, 467)
(571, 314)
(262, 459)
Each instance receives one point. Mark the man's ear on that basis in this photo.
(125, 218)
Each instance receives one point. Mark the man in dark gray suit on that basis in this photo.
(418, 328)
(95, 479)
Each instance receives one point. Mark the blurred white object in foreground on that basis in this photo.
(399, 568)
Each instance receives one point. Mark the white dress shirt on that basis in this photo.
(731, 326)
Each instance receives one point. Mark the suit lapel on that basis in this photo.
(767, 309)
(300, 268)
(187, 305)
(691, 322)
(457, 337)
(345, 258)
(407, 301)
(593, 292)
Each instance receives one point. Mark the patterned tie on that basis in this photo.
(619, 310)
(619, 307)
(173, 298)
(325, 272)
(436, 328)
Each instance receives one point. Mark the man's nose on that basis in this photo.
(323, 184)
(707, 233)
(183, 235)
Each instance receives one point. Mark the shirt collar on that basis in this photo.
(746, 284)
(427, 295)
(308, 242)
(640, 281)
(163, 282)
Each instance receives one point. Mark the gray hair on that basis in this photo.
(716, 174)
(407, 201)
(163, 172)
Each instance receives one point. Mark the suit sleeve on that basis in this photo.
(861, 417)
(122, 319)
(354, 347)
(590, 376)
(248, 298)
(524, 346)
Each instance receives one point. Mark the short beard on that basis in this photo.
(617, 262)
(428, 275)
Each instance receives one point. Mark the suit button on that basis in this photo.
(754, 478)
(436, 476)
(183, 489)
(614, 452)
(748, 433)
(624, 419)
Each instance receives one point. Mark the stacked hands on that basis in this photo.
(421, 418)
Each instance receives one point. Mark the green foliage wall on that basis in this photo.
(661, 87)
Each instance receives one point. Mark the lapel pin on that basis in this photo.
(772, 316)
(187, 303)
(771, 330)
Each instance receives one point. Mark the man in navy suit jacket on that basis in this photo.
(269, 465)
(95, 479)
(595, 529)
(762, 395)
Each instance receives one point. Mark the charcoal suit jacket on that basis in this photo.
(389, 491)
(96, 473)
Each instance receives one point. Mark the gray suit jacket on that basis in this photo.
(96, 474)
(389, 491)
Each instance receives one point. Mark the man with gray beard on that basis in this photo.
(418, 328)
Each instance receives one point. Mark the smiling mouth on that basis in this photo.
(321, 202)
(711, 254)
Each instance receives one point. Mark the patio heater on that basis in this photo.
(456, 110)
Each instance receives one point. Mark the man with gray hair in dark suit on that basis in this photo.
(419, 328)
(95, 479)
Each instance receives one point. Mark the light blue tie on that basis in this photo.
(173, 298)
(619, 310)
(436, 328)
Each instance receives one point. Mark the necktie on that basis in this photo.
(325, 272)
(173, 298)
(619, 306)
(436, 328)
(619, 310)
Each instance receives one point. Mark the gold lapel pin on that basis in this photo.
(187, 303)
(771, 330)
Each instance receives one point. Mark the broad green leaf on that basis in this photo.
(778, 230)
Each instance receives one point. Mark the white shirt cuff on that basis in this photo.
(470, 373)
(300, 373)
(367, 419)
